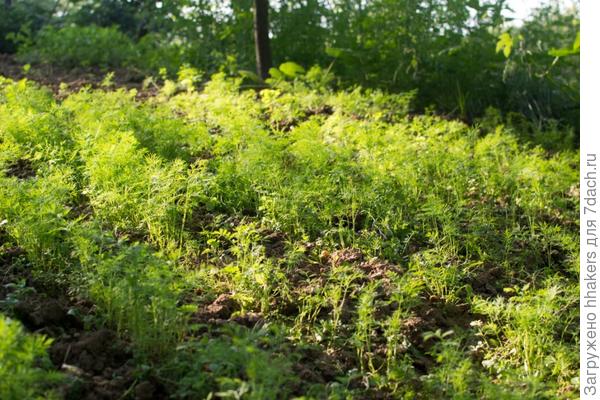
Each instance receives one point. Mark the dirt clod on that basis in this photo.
(36, 312)
(347, 255)
(221, 308)
(144, 391)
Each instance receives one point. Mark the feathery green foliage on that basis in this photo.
(25, 371)
(301, 241)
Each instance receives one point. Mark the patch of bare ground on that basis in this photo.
(223, 310)
(485, 280)
(274, 242)
(75, 79)
(21, 169)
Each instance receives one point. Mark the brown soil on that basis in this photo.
(220, 309)
(347, 255)
(75, 79)
(21, 169)
(274, 244)
(485, 280)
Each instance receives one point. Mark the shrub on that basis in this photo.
(76, 46)
(22, 19)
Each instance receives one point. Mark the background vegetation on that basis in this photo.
(445, 49)
(392, 214)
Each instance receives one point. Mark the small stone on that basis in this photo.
(72, 370)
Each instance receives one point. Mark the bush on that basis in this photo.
(76, 46)
(24, 17)
(153, 52)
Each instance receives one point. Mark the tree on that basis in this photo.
(261, 38)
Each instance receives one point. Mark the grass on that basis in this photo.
(301, 242)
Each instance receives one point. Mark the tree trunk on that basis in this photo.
(7, 3)
(261, 38)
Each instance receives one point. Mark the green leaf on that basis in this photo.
(291, 69)
(562, 52)
(275, 73)
(505, 44)
(567, 51)
(333, 52)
